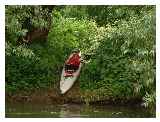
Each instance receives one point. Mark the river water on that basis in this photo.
(76, 111)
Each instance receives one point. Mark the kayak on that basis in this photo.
(67, 82)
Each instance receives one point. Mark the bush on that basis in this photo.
(124, 58)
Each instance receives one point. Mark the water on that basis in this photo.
(75, 110)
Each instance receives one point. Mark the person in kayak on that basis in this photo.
(73, 62)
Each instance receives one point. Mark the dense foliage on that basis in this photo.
(118, 43)
(123, 65)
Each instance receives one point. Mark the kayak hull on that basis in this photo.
(67, 82)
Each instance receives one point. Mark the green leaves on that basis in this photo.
(22, 19)
(75, 33)
(123, 57)
(150, 101)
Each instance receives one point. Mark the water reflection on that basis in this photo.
(69, 110)
(74, 110)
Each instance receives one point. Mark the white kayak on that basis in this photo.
(67, 82)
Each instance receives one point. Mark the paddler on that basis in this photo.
(73, 62)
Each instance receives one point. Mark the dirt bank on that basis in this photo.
(48, 96)
(52, 96)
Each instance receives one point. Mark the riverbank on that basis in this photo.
(47, 96)
(49, 103)
(74, 95)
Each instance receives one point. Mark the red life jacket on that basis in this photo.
(74, 60)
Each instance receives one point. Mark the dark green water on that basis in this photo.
(76, 110)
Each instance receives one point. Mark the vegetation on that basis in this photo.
(118, 43)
